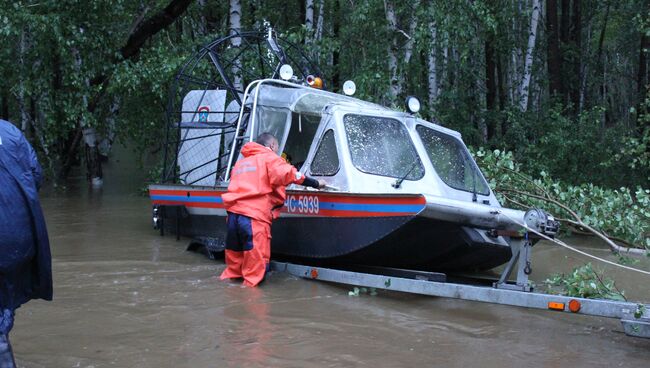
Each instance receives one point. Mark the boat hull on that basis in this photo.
(376, 230)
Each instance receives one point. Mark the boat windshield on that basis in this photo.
(452, 162)
(382, 146)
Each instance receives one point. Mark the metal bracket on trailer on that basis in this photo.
(521, 250)
(634, 317)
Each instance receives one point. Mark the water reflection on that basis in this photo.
(248, 340)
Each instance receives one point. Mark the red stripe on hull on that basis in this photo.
(329, 197)
(368, 200)
(322, 197)
(339, 213)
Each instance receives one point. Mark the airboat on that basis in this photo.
(402, 192)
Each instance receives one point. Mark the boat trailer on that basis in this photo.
(635, 317)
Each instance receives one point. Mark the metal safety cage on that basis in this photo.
(205, 100)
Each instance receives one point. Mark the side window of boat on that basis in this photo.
(452, 162)
(326, 160)
(382, 146)
(301, 134)
(271, 120)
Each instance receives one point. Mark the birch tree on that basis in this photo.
(528, 62)
(408, 49)
(321, 20)
(309, 18)
(235, 28)
(396, 80)
(22, 49)
(391, 18)
(203, 22)
(432, 66)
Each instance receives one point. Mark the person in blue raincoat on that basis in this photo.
(25, 260)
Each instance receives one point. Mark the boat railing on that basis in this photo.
(253, 113)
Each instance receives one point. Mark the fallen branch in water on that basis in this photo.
(636, 251)
(579, 230)
(613, 246)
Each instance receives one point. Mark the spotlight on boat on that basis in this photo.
(286, 72)
(413, 104)
(349, 88)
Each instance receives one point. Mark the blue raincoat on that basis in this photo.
(25, 260)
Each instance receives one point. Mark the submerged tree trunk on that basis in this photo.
(528, 62)
(106, 142)
(93, 163)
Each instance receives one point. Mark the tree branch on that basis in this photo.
(526, 179)
(143, 30)
(613, 246)
(149, 27)
(564, 207)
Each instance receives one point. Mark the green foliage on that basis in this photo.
(623, 213)
(153, 177)
(62, 58)
(634, 151)
(57, 53)
(584, 282)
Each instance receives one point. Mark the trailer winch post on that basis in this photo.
(521, 247)
(521, 251)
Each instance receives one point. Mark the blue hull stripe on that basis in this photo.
(370, 207)
(196, 199)
(335, 206)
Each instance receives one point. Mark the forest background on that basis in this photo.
(557, 88)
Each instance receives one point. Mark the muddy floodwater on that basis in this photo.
(126, 297)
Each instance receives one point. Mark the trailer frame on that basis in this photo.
(635, 317)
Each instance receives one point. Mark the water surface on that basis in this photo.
(126, 297)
